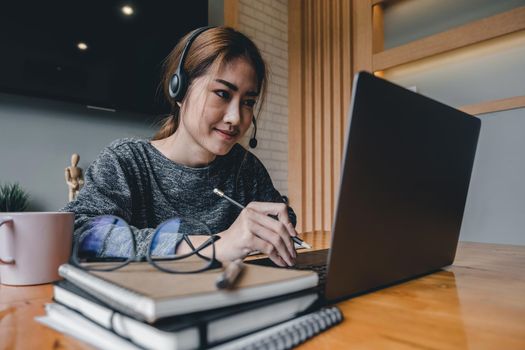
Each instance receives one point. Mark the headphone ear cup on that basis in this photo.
(178, 86)
(174, 85)
(179, 81)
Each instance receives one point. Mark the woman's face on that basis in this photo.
(218, 109)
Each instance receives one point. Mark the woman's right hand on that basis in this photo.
(255, 230)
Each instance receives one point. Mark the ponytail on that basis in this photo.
(168, 125)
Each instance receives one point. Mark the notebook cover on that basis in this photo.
(144, 292)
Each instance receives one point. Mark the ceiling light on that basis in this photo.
(82, 46)
(127, 10)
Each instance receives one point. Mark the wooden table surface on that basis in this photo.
(477, 303)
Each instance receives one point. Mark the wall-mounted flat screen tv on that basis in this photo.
(101, 53)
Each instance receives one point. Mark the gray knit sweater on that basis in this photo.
(131, 179)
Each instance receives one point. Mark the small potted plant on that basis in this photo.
(13, 198)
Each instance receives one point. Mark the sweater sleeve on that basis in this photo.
(108, 191)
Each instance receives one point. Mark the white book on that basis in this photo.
(282, 336)
(179, 332)
(71, 323)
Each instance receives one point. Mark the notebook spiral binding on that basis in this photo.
(288, 334)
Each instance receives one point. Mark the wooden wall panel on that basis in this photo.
(296, 129)
(319, 93)
(327, 115)
(503, 104)
(231, 13)
(336, 103)
(471, 33)
(362, 35)
(317, 102)
(345, 79)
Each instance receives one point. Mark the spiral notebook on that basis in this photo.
(289, 334)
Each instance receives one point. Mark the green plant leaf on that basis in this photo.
(13, 198)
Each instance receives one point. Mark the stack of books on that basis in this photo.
(140, 307)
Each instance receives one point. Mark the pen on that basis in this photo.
(229, 275)
(296, 240)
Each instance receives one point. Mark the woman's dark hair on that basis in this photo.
(209, 52)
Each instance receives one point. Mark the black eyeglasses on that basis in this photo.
(107, 243)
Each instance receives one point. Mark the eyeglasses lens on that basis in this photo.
(182, 245)
(106, 239)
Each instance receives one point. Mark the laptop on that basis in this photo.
(404, 182)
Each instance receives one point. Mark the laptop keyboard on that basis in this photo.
(319, 269)
(310, 260)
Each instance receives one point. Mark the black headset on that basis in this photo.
(179, 80)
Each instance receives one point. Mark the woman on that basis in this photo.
(147, 182)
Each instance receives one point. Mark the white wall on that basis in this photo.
(37, 138)
(266, 23)
(496, 200)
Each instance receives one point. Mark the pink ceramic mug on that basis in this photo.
(33, 245)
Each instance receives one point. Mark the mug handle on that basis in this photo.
(8, 260)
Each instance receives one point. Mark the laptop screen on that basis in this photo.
(405, 176)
